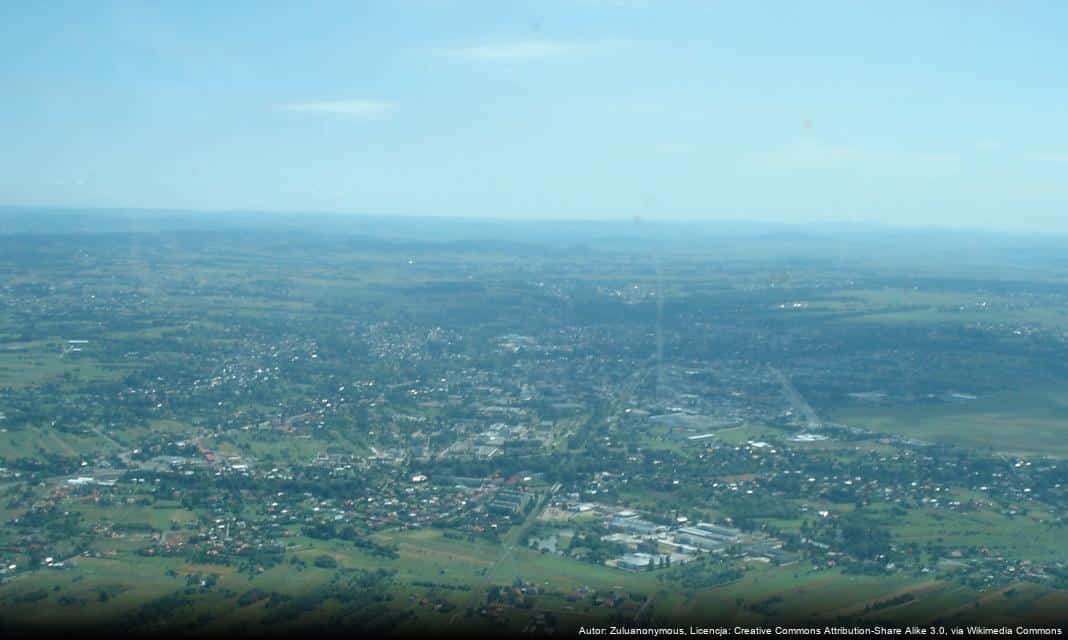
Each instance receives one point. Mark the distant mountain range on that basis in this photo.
(814, 240)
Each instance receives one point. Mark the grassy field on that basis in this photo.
(1023, 422)
(33, 363)
(34, 441)
(765, 592)
(1023, 537)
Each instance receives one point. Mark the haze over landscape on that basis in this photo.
(904, 113)
(558, 317)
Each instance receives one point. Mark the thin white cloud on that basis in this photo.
(813, 154)
(674, 147)
(1053, 157)
(614, 3)
(517, 50)
(352, 108)
(807, 154)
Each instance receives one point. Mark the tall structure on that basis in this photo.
(659, 330)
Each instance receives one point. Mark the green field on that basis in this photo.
(795, 591)
(1023, 422)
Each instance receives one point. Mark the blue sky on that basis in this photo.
(904, 113)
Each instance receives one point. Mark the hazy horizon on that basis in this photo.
(910, 115)
(463, 228)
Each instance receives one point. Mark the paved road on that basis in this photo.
(115, 443)
(86, 471)
(801, 406)
(508, 547)
(641, 610)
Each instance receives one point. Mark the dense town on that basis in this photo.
(581, 423)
